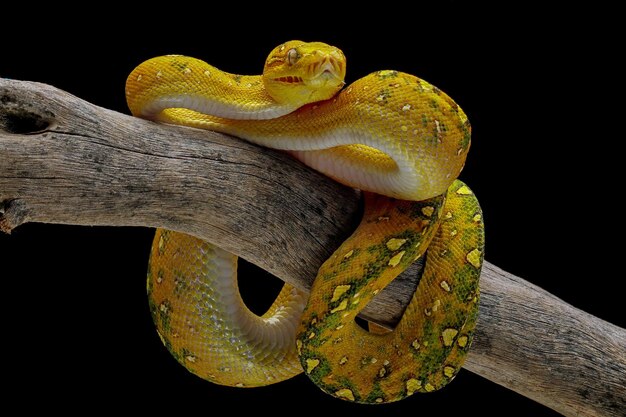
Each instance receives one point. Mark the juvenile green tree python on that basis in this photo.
(396, 137)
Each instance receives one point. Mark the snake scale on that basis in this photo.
(400, 140)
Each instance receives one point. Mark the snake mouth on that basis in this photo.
(326, 71)
(324, 77)
(289, 79)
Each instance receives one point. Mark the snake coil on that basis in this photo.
(396, 137)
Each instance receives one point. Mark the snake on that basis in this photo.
(400, 140)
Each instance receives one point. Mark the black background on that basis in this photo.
(539, 87)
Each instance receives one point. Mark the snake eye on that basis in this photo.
(292, 56)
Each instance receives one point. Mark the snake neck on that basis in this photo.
(175, 81)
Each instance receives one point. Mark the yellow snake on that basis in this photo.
(396, 137)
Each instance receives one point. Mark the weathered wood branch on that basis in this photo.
(63, 160)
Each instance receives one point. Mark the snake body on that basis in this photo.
(394, 136)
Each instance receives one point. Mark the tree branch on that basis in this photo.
(63, 160)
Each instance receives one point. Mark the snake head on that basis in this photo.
(304, 72)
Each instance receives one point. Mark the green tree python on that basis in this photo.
(400, 140)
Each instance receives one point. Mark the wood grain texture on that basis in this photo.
(63, 160)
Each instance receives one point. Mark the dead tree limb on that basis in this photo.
(63, 160)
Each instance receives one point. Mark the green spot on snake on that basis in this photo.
(342, 306)
(464, 190)
(385, 74)
(345, 393)
(474, 258)
(428, 211)
(448, 336)
(339, 291)
(462, 341)
(395, 260)
(311, 364)
(448, 371)
(412, 386)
